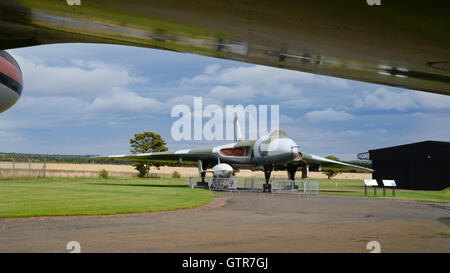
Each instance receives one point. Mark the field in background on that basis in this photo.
(22, 169)
(96, 196)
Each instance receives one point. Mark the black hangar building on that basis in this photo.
(416, 166)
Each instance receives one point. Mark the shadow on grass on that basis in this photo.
(140, 185)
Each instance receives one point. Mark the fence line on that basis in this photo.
(232, 184)
(30, 169)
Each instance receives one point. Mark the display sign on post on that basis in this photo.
(390, 184)
(370, 183)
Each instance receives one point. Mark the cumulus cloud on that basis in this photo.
(212, 69)
(248, 82)
(384, 99)
(81, 78)
(125, 101)
(284, 119)
(327, 115)
(430, 100)
(232, 92)
(256, 74)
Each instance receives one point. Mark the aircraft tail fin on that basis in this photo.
(237, 130)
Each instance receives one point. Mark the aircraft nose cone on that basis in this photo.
(284, 147)
(295, 150)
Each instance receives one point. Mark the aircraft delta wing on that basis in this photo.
(274, 151)
(179, 155)
(242, 155)
(397, 43)
(204, 154)
(327, 164)
(208, 154)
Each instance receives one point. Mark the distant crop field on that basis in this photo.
(96, 196)
(23, 169)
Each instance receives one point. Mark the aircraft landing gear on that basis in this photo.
(305, 171)
(201, 167)
(267, 172)
(291, 172)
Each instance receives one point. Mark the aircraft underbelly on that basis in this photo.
(396, 43)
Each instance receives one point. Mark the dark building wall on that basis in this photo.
(417, 166)
(395, 170)
(414, 175)
(430, 175)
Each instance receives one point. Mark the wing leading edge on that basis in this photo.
(326, 163)
(189, 155)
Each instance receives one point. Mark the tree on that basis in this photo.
(146, 142)
(330, 173)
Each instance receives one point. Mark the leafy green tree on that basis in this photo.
(331, 173)
(147, 142)
(332, 157)
(176, 174)
(103, 173)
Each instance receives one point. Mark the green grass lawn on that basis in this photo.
(94, 196)
(335, 183)
(424, 196)
(356, 188)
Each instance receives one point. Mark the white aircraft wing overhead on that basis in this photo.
(326, 163)
(396, 43)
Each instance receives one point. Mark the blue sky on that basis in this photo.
(90, 99)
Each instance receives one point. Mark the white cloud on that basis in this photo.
(327, 115)
(240, 92)
(248, 75)
(384, 99)
(286, 119)
(298, 103)
(430, 100)
(247, 82)
(337, 82)
(125, 101)
(212, 69)
(82, 78)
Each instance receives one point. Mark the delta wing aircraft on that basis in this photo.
(397, 43)
(274, 151)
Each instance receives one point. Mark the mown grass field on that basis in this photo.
(423, 196)
(356, 188)
(96, 196)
